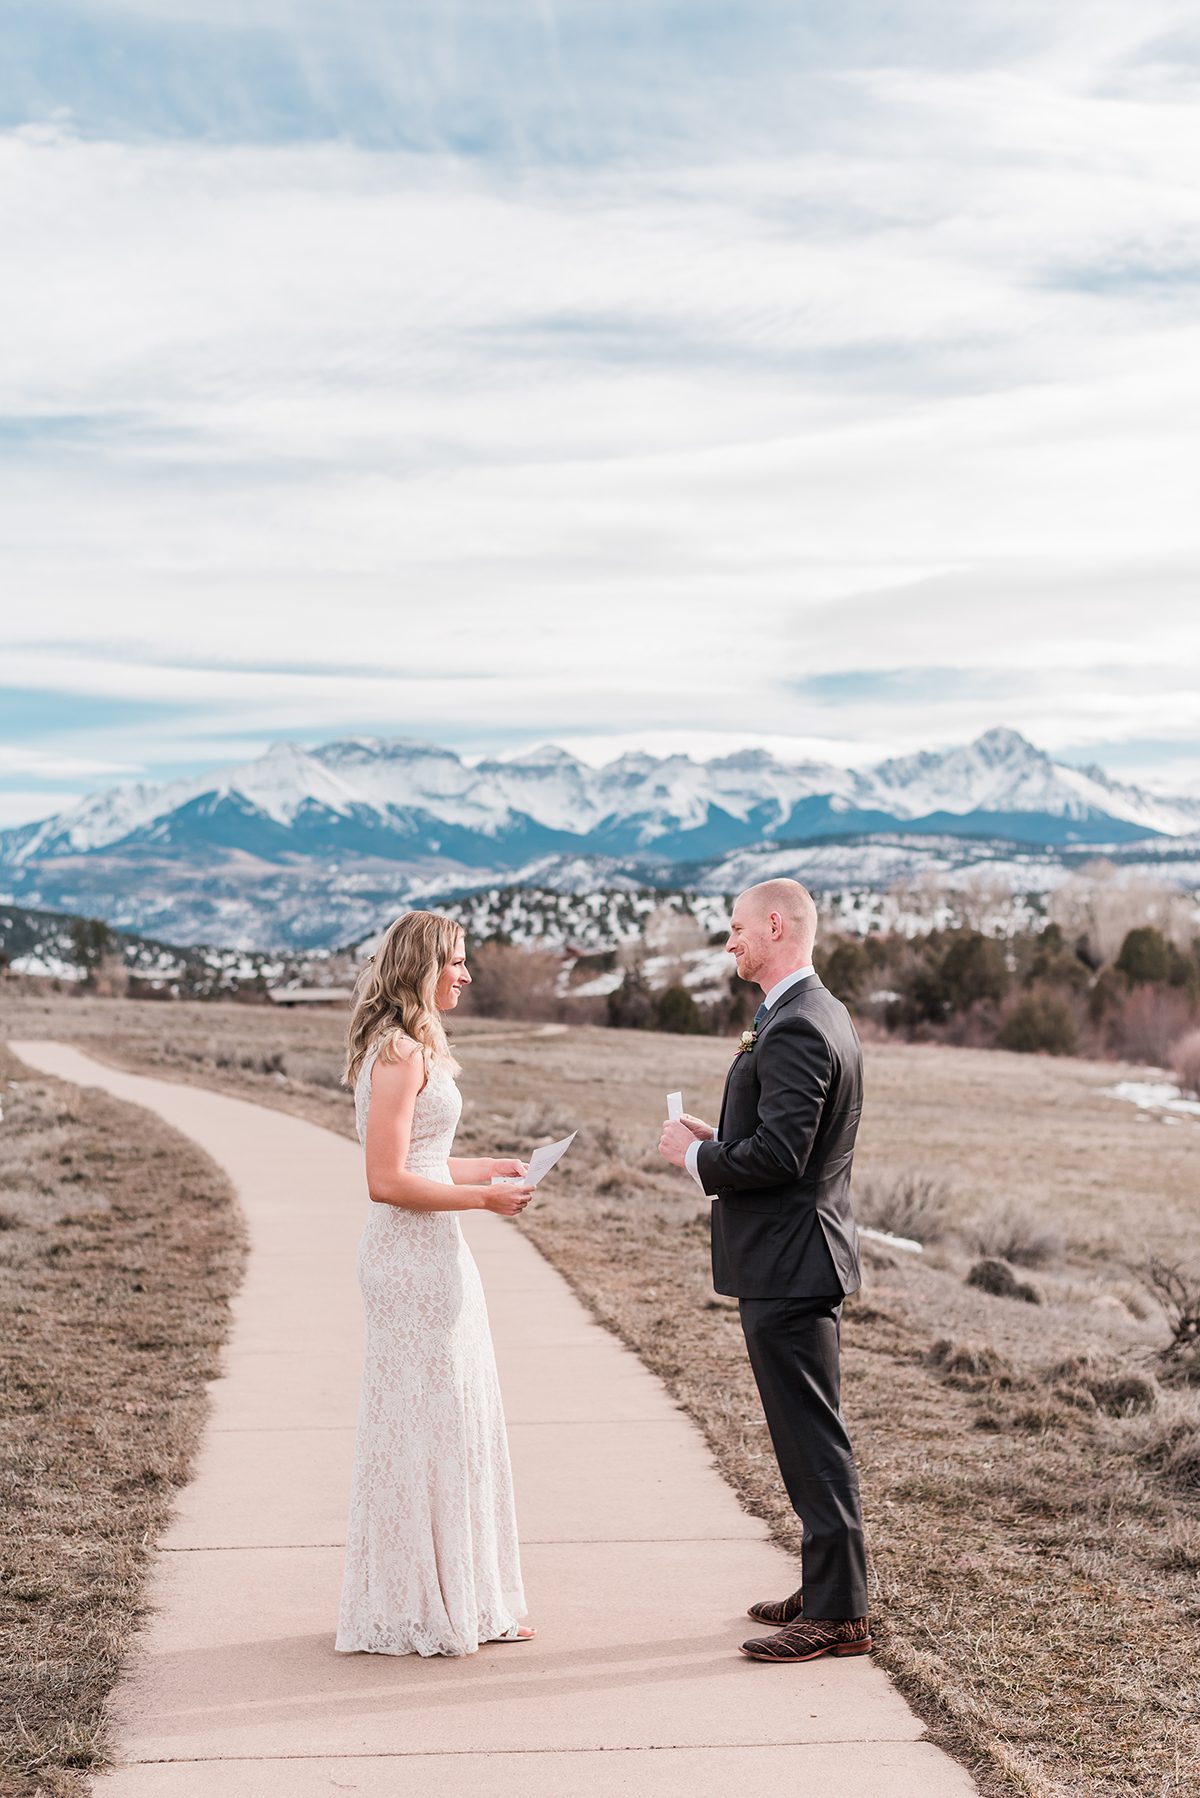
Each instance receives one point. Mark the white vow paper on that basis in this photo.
(674, 1107)
(540, 1163)
(542, 1160)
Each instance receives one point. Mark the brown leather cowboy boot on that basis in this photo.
(810, 1637)
(778, 1611)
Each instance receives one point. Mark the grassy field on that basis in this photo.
(1032, 1490)
(119, 1247)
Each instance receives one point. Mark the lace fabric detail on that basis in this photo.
(432, 1560)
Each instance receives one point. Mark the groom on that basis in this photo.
(784, 1244)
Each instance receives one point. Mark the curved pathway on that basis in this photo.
(638, 1559)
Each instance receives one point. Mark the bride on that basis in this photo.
(432, 1564)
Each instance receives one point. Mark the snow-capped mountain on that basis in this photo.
(1001, 773)
(308, 845)
(402, 786)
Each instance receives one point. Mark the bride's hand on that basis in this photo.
(507, 1168)
(507, 1201)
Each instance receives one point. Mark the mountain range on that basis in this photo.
(311, 846)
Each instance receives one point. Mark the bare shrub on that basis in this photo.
(110, 979)
(974, 1028)
(617, 1177)
(997, 1277)
(986, 902)
(1011, 1231)
(310, 1069)
(908, 1204)
(314, 1069)
(609, 1141)
(1104, 904)
(508, 982)
(1185, 1060)
(534, 1121)
(1176, 1288)
(671, 929)
(1149, 1022)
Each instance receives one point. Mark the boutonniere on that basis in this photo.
(749, 1038)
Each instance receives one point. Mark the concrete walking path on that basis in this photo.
(638, 1560)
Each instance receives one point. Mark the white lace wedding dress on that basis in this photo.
(432, 1563)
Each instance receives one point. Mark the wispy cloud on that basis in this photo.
(57, 767)
(494, 371)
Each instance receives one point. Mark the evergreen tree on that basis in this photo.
(1145, 957)
(845, 968)
(676, 1011)
(631, 1005)
(973, 967)
(1040, 1021)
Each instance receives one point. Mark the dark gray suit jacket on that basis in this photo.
(782, 1222)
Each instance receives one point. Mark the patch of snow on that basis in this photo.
(708, 968)
(1154, 1095)
(599, 986)
(47, 967)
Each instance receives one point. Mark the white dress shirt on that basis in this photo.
(777, 991)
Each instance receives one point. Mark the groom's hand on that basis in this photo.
(675, 1141)
(700, 1130)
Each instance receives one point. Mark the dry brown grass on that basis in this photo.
(119, 1247)
(1030, 1550)
(1031, 1496)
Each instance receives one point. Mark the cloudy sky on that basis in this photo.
(673, 372)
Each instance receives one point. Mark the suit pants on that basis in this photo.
(793, 1346)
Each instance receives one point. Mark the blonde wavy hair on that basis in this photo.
(395, 994)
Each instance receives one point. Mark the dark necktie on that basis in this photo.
(759, 1015)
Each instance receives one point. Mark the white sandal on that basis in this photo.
(516, 1632)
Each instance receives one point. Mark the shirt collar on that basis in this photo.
(789, 980)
